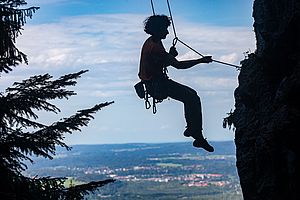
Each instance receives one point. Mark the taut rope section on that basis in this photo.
(217, 61)
(153, 12)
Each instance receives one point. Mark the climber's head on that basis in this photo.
(157, 26)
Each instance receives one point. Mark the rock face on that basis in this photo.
(267, 105)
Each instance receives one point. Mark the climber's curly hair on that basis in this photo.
(154, 23)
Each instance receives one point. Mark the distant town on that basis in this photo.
(143, 170)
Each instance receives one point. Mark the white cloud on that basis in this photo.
(117, 84)
(111, 93)
(230, 58)
(87, 40)
(44, 2)
(210, 84)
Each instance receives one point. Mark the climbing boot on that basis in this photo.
(202, 143)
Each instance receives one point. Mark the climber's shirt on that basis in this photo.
(153, 60)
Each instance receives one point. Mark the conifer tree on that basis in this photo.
(21, 135)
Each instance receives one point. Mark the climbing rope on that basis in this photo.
(173, 25)
(153, 12)
(217, 61)
(176, 39)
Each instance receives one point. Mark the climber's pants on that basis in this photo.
(191, 101)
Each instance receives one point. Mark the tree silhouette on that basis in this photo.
(21, 136)
(11, 22)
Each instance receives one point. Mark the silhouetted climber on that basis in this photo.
(152, 72)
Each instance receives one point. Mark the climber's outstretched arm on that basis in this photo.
(187, 63)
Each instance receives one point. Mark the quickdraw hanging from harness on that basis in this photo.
(155, 89)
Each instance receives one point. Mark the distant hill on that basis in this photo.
(115, 155)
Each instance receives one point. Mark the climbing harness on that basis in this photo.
(176, 39)
(143, 90)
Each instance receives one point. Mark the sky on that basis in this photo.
(105, 37)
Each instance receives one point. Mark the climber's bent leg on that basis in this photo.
(192, 106)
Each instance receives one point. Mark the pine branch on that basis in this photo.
(53, 135)
(13, 3)
(10, 56)
(17, 146)
(12, 19)
(77, 192)
(19, 103)
(49, 188)
(81, 118)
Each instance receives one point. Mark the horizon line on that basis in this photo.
(137, 143)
